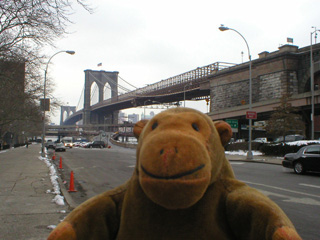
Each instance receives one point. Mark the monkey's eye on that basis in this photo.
(154, 125)
(195, 127)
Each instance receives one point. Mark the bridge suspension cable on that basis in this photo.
(80, 100)
(113, 82)
(127, 82)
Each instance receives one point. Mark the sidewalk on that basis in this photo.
(27, 210)
(256, 158)
(26, 194)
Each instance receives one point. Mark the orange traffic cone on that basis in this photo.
(71, 187)
(54, 155)
(60, 165)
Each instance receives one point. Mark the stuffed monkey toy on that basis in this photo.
(182, 187)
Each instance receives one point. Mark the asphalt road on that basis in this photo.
(297, 195)
(98, 170)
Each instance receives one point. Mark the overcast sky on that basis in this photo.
(147, 41)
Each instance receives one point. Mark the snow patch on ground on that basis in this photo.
(243, 153)
(257, 153)
(58, 199)
(303, 142)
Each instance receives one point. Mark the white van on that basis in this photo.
(67, 141)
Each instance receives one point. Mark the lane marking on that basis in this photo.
(307, 201)
(236, 163)
(131, 166)
(282, 189)
(309, 185)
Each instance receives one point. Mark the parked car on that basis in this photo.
(76, 144)
(96, 144)
(240, 140)
(59, 147)
(290, 138)
(49, 144)
(306, 159)
(84, 144)
(262, 140)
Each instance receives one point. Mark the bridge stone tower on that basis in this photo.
(70, 110)
(100, 78)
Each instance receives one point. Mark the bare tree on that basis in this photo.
(30, 23)
(26, 26)
(284, 120)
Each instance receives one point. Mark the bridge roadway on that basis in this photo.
(190, 85)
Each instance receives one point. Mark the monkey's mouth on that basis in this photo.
(175, 176)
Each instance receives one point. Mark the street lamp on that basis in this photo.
(223, 28)
(144, 106)
(312, 82)
(44, 99)
(184, 93)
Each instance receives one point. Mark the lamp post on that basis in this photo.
(312, 82)
(223, 28)
(44, 98)
(184, 93)
(144, 106)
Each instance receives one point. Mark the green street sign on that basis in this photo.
(233, 123)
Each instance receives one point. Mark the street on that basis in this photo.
(297, 195)
(98, 170)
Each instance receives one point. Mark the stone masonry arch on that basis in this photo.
(69, 110)
(100, 78)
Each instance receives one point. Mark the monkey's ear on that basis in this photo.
(138, 127)
(224, 131)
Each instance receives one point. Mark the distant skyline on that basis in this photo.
(149, 41)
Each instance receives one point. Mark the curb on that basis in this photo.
(255, 161)
(66, 195)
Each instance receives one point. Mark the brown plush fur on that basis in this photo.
(183, 187)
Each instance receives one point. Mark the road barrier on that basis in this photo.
(71, 187)
(60, 164)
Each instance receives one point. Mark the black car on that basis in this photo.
(96, 144)
(306, 159)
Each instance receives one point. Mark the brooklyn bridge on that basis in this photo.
(224, 85)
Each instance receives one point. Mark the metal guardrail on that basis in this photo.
(186, 77)
(192, 75)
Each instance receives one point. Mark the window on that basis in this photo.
(312, 150)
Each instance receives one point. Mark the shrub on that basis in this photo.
(243, 146)
(281, 149)
(270, 149)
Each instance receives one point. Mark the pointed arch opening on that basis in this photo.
(65, 115)
(106, 91)
(94, 96)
